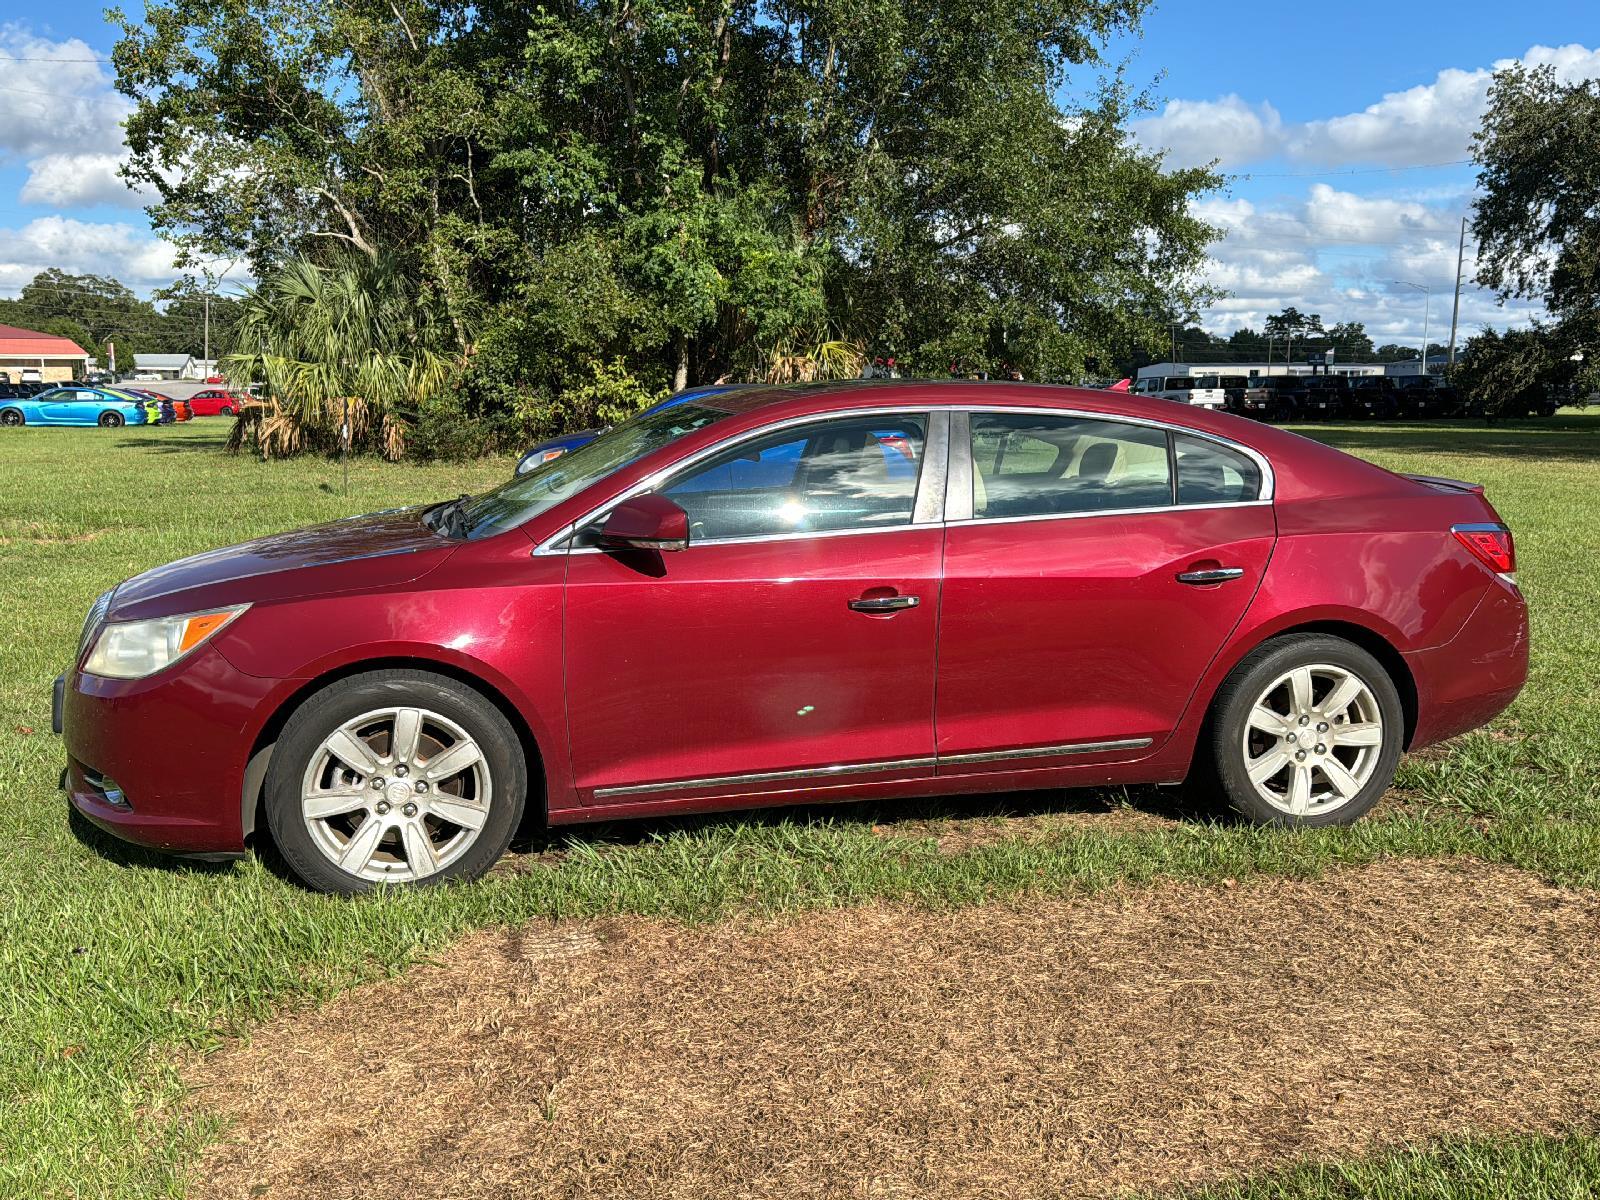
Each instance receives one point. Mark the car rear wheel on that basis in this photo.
(397, 777)
(110, 420)
(1307, 730)
(12, 417)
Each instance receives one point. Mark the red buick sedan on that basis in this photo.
(780, 595)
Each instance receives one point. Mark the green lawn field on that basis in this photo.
(115, 965)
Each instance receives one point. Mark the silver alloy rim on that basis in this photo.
(396, 794)
(1313, 739)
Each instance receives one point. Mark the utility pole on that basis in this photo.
(1173, 327)
(1455, 311)
(206, 353)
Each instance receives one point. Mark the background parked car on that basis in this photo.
(1273, 397)
(172, 409)
(72, 406)
(1203, 391)
(553, 448)
(217, 402)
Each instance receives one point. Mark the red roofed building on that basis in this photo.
(56, 359)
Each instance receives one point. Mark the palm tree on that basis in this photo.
(346, 352)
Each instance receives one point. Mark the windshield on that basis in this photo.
(526, 496)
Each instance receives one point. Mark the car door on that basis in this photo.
(1084, 592)
(791, 645)
(62, 407)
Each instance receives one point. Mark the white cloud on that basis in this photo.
(79, 181)
(130, 253)
(54, 100)
(1339, 255)
(1197, 132)
(1429, 123)
(60, 114)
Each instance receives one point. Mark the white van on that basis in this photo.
(1203, 390)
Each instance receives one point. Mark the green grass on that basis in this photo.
(113, 963)
(1519, 1168)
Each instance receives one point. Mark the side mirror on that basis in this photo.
(646, 522)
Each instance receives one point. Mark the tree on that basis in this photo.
(1350, 340)
(1514, 372)
(336, 346)
(1537, 219)
(1290, 324)
(697, 189)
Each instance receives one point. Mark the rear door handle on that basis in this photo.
(1214, 575)
(882, 604)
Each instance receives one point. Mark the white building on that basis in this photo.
(1251, 370)
(165, 366)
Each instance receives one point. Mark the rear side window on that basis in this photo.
(1209, 473)
(1025, 465)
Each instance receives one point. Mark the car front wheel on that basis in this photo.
(11, 416)
(1307, 730)
(398, 777)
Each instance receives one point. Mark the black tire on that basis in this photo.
(111, 420)
(327, 710)
(1224, 758)
(12, 417)
(227, 412)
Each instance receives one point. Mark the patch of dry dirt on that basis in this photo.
(1138, 1038)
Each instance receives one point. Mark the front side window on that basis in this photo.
(1209, 473)
(1025, 465)
(848, 473)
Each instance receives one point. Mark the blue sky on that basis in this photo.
(1327, 120)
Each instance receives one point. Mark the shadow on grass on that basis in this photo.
(1174, 804)
(1559, 438)
(126, 854)
(537, 844)
(155, 445)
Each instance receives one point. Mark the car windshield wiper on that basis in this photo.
(450, 517)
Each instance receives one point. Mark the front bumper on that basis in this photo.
(160, 761)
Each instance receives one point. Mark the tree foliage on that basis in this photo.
(699, 190)
(95, 309)
(341, 349)
(1537, 222)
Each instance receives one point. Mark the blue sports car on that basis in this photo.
(553, 448)
(72, 405)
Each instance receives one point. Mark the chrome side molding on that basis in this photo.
(897, 764)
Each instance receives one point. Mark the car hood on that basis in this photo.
(380, 549)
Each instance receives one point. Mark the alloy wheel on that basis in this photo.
(1313, 739)
(396, 794)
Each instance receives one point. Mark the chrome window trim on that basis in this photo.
(957, 474)
(865, 768)
(552, 544)
(1113, 512)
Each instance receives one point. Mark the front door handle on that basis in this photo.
(883, 604)
(1214, 575)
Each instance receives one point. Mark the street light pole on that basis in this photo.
(1427, 306)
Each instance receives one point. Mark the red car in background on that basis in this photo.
(217, 402)
(752, 598)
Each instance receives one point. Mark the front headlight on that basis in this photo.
(134, 649)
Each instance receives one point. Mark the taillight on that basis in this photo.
(1491, 545)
